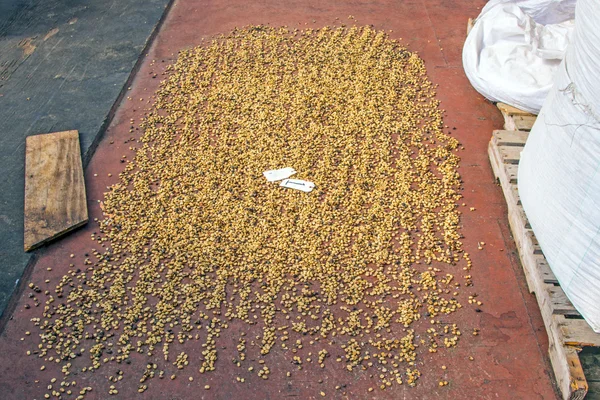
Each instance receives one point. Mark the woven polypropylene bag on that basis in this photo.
(559, 171)
(511, 57)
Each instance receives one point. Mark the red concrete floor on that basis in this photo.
(510, 354)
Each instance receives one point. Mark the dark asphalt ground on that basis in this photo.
(63, 65)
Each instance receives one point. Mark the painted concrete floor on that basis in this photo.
(510, 354)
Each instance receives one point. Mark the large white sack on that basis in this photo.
(542, 11)
(583, 60)
(509, 57)
(559, 171)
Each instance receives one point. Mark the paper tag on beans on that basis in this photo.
(298, 184)
(279, 174)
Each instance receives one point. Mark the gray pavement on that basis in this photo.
(63, 65)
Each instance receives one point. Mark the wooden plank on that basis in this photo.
(55, 200)
(512, 171)
(499, 168)
(509, 123)
(494, 160)
(516, 119)
(577, 332)
(514, 197)
(567, 370)
(523, 247)
(510, 110)
(537, 249)
(560, 303)
(510, 154)
(524, 122)
(510, 138)
(578, 383)
(556, 309)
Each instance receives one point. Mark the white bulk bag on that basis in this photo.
(542, 11)
(559, 171)
(509, 57)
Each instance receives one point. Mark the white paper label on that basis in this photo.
(298, 184)
(279, 174)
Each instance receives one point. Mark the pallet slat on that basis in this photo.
(560, 304)
(510, 138)
(545, 270)
(515, 198)
(524, 122)
(507, 109)
(510, 154)
(577, 332)
(512, 172)
(515, 119)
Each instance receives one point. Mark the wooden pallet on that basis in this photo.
(567, 332)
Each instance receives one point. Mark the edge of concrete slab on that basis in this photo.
(87, 156)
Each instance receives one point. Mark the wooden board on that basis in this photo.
(516, 119)
(524, 122)
(510, 138)
(510, 154)
(505, 108)
(513, 175)
(567, 331)
(55, 200)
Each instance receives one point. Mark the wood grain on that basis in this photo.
(516, 119)
(510, 138)
(524, 122)
(55, 200)
(505, 108)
